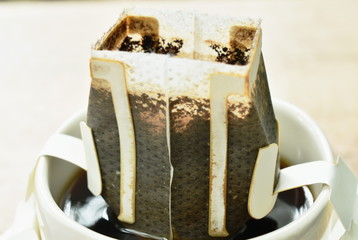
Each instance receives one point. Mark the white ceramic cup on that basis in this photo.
(301, 140)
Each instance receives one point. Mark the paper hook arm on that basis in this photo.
(341, 180)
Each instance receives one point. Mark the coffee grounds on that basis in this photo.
(149, 44)
(233, 56)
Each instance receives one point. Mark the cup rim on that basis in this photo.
(47, 203)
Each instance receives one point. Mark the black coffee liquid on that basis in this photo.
(93, 212)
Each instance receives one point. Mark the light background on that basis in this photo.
(310, 50)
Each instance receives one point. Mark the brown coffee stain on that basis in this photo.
(100, 84)
(144, 26)
(115, 36)
(242, 37)
(184, 110)
(155, 121)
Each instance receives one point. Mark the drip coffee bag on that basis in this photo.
(179, 107)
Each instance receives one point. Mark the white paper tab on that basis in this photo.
(65, 147)
(305, 174)
(94, 180)
(113, 72)
(221, 87)
(261, 196)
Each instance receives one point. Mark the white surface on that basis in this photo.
(310, 50)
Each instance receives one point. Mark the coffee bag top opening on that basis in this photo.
(150, 34)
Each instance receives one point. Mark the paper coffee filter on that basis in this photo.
(174, 128)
